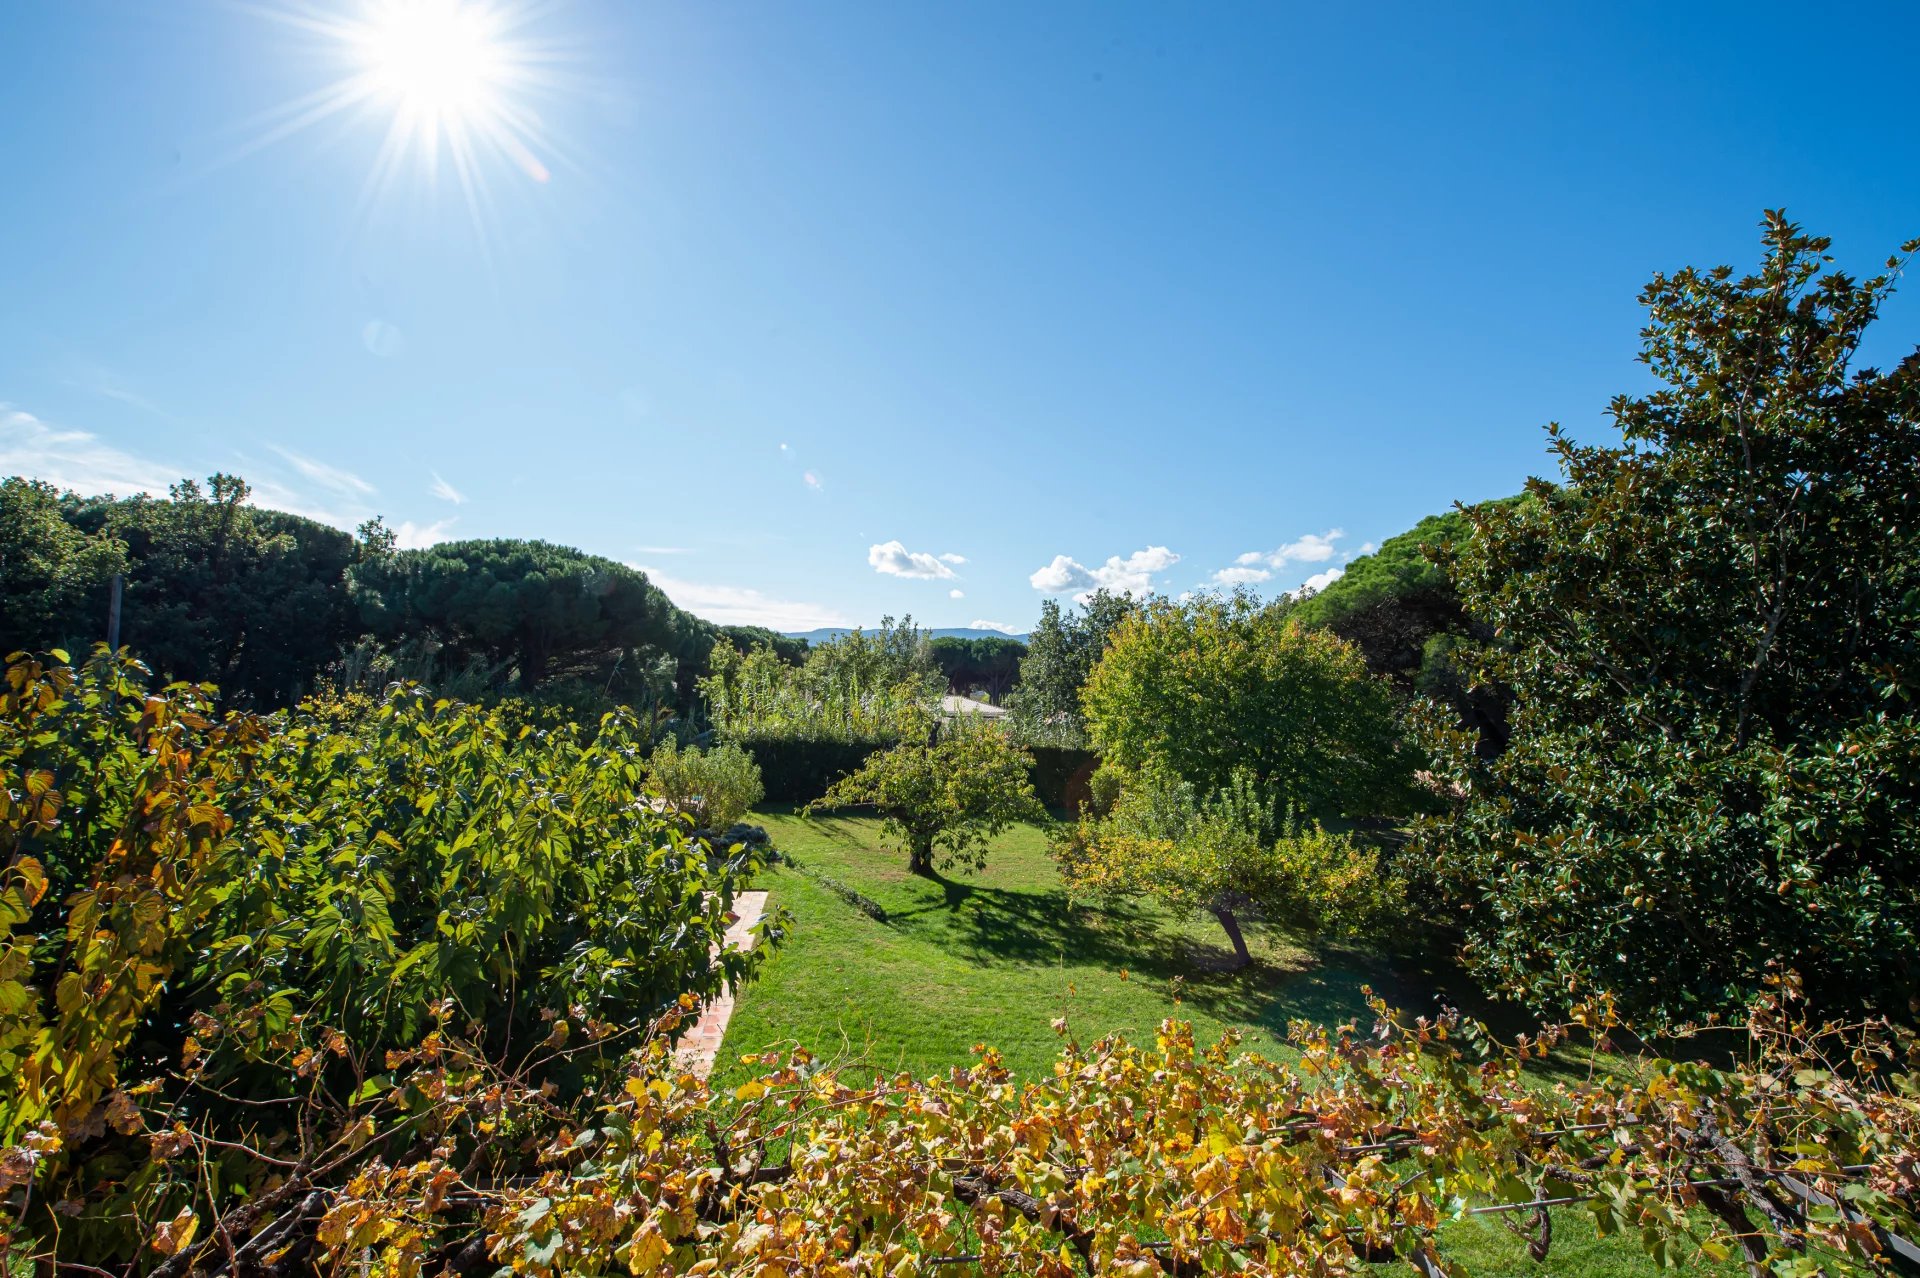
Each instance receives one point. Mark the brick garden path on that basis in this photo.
(698, 1050)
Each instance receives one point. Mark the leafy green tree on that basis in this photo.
(1204, 688)
(949, 797)
(989, 664)
(220, 591)
(530, 607)
(745, 639)
(1713, 634)
(1226, 854)
(53, 575)
(1400, 608)
(221, 909)
(1061, 653)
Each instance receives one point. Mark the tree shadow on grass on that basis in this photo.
(1324, 984)
(990, 925)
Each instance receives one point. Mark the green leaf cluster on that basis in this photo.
(1061, 653)
(880, 686)
(1234, 851)
(1712, 632)
(1204, 688)
(713, 787)
(222, 913)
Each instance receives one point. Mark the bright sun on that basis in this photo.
(445, 79)
(440, 61)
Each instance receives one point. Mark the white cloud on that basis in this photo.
(741, 606)
(661, 550)
(1260, 565)
(446, 492)
(954, 559)
(80, 461)
(75, 459)
(1001, 626)
(812, 481)
(1313, 548)
(411, 536)
(1320, 581)
(340, 481)
(1132, 575)
(956, 594)
(893, 559)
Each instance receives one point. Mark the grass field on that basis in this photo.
(995, 957)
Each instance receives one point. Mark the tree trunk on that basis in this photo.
(920, 857)
(1241, 956)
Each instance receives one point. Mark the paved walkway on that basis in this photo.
(700, 1047)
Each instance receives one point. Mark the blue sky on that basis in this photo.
(826, 311)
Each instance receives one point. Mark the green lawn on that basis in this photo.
(995, 957)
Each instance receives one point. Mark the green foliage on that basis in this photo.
(1713, 632)
(1226, 853)
(1399, 607)
(796, 769)
(217, 921)
(1061, 653)
(1203, 689)
(53, 575)
(861, 688)
(220, 591)
(1402, 567)
(1060, 775)
(270, 606)
(949, 797)
(539, 610)
(989, 664)
(712, 787)
(746, 638)
(892, 655)
(1137, 1160)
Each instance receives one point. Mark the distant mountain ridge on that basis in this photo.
(824, 633)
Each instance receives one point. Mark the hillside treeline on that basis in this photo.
(268, 605)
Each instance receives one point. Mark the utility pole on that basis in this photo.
(113, 615)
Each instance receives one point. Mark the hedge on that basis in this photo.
(796, 770)
(1060, 775)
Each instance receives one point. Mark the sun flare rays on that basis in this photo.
(449, 84)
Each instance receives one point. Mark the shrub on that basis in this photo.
(713, 787)
(1127, 1159)
(217, 920)
(796, 769)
